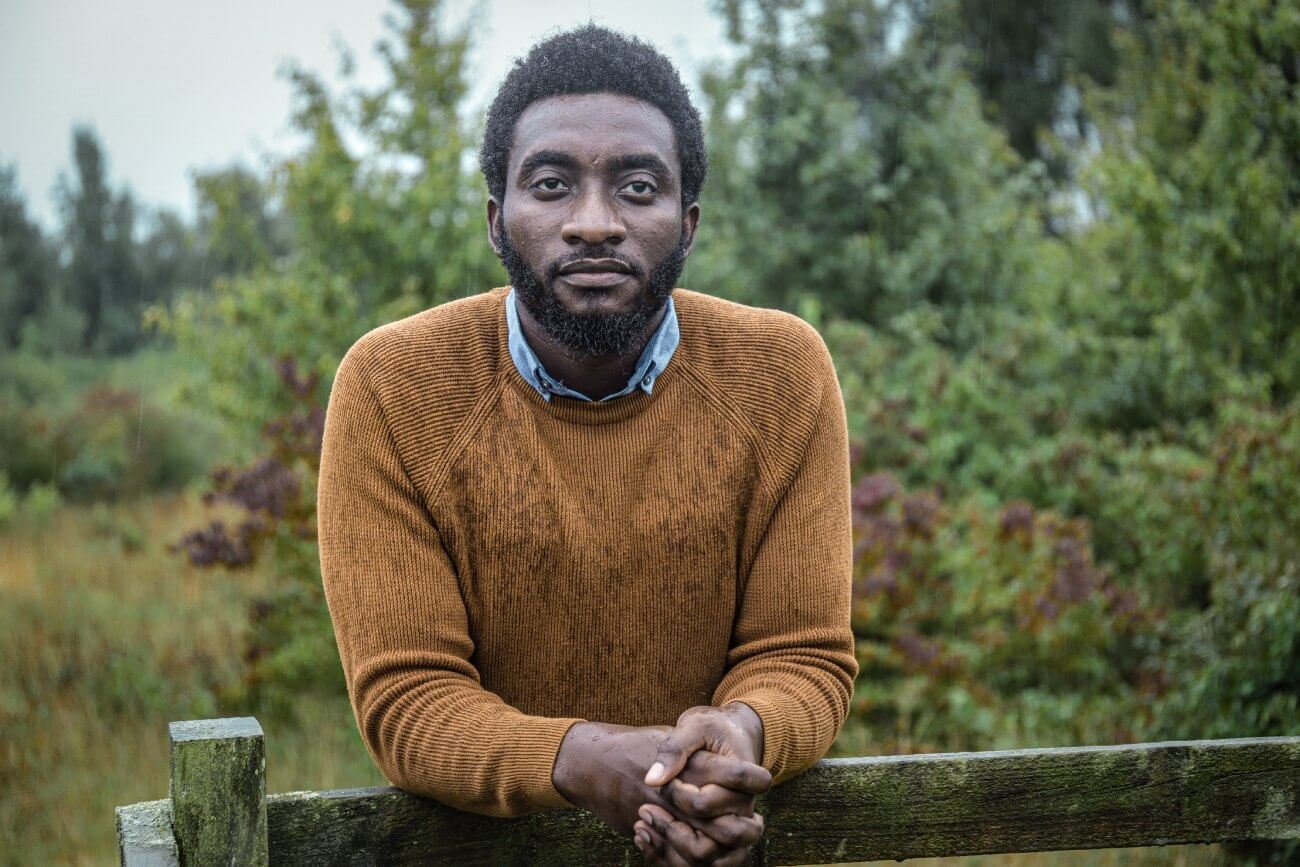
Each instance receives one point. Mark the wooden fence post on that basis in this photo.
(218, 792)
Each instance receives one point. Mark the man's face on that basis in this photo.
(592, 230)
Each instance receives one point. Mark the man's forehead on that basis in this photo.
(593, 126)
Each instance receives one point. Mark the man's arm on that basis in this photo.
(792, 652)
(402, 628)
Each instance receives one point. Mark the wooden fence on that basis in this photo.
(841, 810)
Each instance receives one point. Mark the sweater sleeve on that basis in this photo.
(792, 649)
(403, 632)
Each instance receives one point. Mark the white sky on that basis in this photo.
(173, 85)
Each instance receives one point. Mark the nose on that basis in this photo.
(593, 221)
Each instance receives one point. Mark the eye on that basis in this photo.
(641, 188)
(549, 185)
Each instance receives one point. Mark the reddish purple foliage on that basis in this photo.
(872, 493)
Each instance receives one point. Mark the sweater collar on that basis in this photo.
(654, 358)
(583, 411)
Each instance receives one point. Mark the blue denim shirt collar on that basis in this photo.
(654, 358)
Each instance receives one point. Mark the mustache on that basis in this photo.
(601, 252)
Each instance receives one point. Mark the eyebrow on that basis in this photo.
(547, 158)
(649, 162)
(621, 163)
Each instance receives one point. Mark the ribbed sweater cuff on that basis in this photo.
(770, 707)
(541, 745)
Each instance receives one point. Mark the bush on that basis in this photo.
(291, 647)
(985, 628)
(112, 444)
(1239, 658)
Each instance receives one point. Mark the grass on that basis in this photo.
(105, 643)
(107, 637)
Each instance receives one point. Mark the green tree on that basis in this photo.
(239, 226)
(401, 218)
(1029, 59)
(835, 173)
(28, 264)
(98, 227)
(167, 256)
(1198, 231)
(376, 235)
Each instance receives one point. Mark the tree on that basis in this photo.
(28, 265)
(1198, 179)
(168, 256)
(239, 226)
(375, 235)
(1029, 59)
(401, 218)
(835, 173)
(98, 228)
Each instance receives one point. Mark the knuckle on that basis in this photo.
(729, 835)
(703, 848)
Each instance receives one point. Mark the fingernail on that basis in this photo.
(645, 816)
(655, 771)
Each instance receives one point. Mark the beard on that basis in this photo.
(591, 335)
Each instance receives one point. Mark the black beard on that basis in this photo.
(597, 335)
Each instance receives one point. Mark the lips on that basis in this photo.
(595, 266)
(595, 273)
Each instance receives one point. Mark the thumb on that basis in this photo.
(674, 751)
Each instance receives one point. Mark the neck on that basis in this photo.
(594, 377)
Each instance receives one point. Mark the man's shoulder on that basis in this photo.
(766, 354)
(453, 345)
(765, 368)
(429, 371)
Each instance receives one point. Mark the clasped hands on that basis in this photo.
(685, 792)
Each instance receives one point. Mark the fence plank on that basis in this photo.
(384, 825)
(218, 791)
(1037, 800)
(863, 809)
(144, 835)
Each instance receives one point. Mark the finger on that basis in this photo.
(732, 858)
(731, 832)
(649, 843)
(674, 750)
(692, 842)
(695, 847)
(642, 843)
(661, 850)
(692, 846)
(707, 801)
(705, 766)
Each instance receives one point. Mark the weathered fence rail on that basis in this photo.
(841, 810)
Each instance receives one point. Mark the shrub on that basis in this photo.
(291, 649)
(981, 628)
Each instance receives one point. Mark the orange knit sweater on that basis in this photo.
(498, 567)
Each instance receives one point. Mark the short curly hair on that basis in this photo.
(593, 59)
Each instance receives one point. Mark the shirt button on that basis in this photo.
(646, 382)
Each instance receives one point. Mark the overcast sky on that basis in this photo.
(171, 86)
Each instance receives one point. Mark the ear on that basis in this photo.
(493, 209)
(690, 222)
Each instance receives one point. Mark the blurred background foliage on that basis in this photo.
(1052, 246)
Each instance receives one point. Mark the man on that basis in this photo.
(586, 539)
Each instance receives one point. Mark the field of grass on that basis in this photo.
(106, 637)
